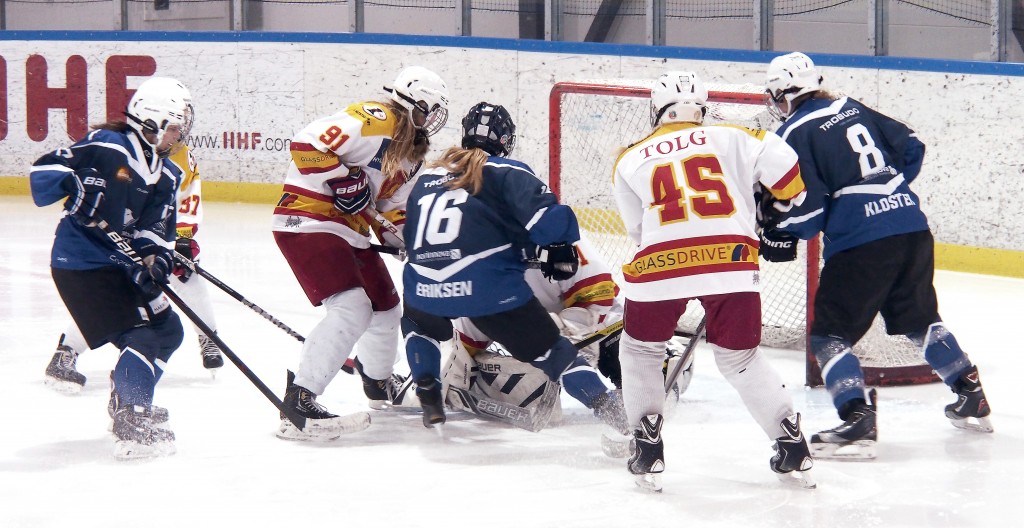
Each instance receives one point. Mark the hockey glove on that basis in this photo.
(777, 246)
(85, 194)
(771, 210)
(351, 193)
(188, 248)
(559, 261)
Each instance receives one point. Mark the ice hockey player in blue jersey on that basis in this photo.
(115, 178)
(879, 252)
(472, 217)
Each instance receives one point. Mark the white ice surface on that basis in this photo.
(56, 467)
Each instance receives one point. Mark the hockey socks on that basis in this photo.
(582, 382)
(942, 352)
(840, 369)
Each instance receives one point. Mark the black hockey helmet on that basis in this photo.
(489, 128)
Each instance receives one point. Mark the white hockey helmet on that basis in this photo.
(159, 103)
(678, 96)
(790, 76)
(417, 88)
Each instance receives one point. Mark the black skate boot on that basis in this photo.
(320, 424)
(428, 390)
(394, 392)
(213, 359)
(971, 409)
(61, 374)
(137, 436)
(855, 438)
(647, 460)
(159, 415)
(792, 460)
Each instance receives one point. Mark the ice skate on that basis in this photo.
(213, 359)
(647, 460)
(158, 415)
(615, 445)
(792, 461)
(609, 408)
(854, 439)
(429, 395)
(320, 424)
(61, 374)
(971, 410)
(136, 436)
(395, 392)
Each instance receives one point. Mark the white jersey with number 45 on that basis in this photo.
(686, 196)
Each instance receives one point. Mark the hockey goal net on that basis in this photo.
(589, 125)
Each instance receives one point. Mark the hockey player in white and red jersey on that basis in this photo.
(62, 373)
(347, 169)
(686, 196)
(579, 305)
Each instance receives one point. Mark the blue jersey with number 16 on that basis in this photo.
(466, 251)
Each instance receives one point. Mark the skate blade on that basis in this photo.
(318, 432)
(615, 447)
(384, 405)
(213, 373)
(978, 425)
(798, 479)
(859, 450)
(62, 386)
(131, 450)
(649, 482)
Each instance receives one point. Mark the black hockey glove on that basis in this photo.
(777, 246)
(559, 261)
(770, 210)
(188, 248)
(85, 190)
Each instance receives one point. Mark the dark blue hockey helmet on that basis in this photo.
(489, 128)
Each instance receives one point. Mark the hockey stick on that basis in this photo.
(126, 248)
(670, 380)
(195, 268)
(348, 367)
(608, 331)
(372, 215)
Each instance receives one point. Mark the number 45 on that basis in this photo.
(709, 196)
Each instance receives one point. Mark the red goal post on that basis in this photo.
(591, 122)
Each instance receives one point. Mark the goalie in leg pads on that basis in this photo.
(347, 170)
(879, 251)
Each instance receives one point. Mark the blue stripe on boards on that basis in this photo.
(532, 46)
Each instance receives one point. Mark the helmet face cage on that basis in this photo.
(489, 128)
(158, 104)
(419, 89)
(682, 89)
(790, 76)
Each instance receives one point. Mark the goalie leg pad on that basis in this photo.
(500, 387)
